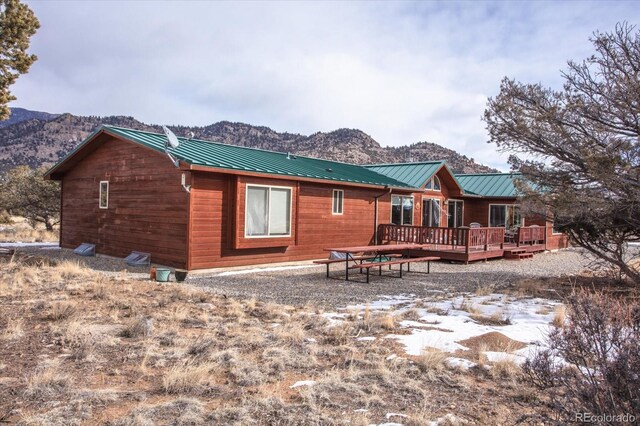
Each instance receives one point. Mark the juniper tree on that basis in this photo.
(579, 148)
(17, 25)
(24, 192)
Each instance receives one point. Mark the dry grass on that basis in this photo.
(137, 327)
(559, 316)
(497, 318)
(188, 378)
(47, 382)
(13, 330)
(506, 369)
(432, 360)
(62, 310)
(485, 290)
(181, 356)
(20, 231)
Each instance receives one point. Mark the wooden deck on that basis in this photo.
(466, 244)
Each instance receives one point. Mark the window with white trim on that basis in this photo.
(338, 201)
(401, 210)
(433, 184)
(505, 215)
(268, 211)
(103, 198)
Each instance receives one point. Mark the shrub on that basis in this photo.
(138, 327)
(593, 358)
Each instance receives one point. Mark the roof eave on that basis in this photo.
(213, 169)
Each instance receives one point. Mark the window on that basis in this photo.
(431, 212)
(338, 198)
(505, 215)
(401, 210)
(555, 226)
(433, 184)
(103, 199)
(454, 210)
(268, 211)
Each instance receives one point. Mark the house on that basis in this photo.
(212, 205)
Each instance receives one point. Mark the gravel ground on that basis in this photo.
(308, 284)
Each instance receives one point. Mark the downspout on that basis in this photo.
(375, 213)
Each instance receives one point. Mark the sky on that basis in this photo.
(402, 72)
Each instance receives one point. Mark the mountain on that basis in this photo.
(42, 141)
(20, 114)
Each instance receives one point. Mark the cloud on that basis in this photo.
(402, 72)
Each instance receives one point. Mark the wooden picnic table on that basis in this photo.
(377, 251)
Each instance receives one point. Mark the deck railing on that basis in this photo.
(448, 238)
(530, 235)
(455, 238)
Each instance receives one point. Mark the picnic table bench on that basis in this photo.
(401, 262)
(351, 258)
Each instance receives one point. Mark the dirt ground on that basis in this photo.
(80, 347)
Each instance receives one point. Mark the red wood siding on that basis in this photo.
(314, 227)
(148, 209)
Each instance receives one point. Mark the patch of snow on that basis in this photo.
(389, 415)
(310, 340)
(259, 270)
(366, 339)
(460, 363)
(503, 356)
(361, 410)
(19, 244)
(303, 383)
(387, 302)
(529, 322)
(392, 356)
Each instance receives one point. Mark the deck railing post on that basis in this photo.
(466, 242)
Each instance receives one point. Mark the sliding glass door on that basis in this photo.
(454, 212)
(431, 212)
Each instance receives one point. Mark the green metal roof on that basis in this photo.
(489, 184)
(231, 157)
(413, 174)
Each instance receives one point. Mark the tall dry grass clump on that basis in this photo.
(187, 378)
(47, 382)
(139, 326)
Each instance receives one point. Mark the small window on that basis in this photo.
(268, 211)
(433, 184)
(436, 183)
(103, 200)
(338, 199)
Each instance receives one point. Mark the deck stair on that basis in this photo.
(517, 254)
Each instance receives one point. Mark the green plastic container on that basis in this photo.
(162, 275)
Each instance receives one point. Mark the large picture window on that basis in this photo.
(401, 210)
(268, 211)
(505, 215)
(431, 212)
